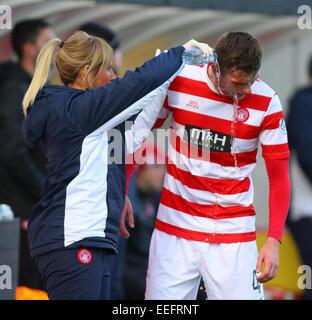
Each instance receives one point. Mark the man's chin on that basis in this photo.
(238, 97)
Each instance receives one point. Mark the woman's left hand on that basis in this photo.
(127, 212)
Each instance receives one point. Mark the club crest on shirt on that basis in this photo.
(241, 114)
(207, 139)
(84, 256)
(282, 126)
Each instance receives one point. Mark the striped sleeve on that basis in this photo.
(273, 132)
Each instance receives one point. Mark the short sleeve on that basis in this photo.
(273, 132)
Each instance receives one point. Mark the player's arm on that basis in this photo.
(275, 151)
(279, 198)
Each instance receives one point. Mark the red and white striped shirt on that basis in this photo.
(208, 192)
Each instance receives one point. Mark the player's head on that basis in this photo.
(239, 58)
(110, 37)
(29, 36)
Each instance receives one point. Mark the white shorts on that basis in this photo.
(176, 266)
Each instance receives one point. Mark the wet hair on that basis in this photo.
(240, 50)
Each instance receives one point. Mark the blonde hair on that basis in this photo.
(79, 50)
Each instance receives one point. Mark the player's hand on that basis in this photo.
(127, 212)
(269, 256)
(204, 47)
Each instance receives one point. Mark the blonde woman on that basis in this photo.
(74, 226)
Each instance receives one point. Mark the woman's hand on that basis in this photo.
(158, 52)
(208, 51)
(127, 212)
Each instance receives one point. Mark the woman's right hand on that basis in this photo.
(204, 47)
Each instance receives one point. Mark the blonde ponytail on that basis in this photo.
(79, 50)
(41, 73)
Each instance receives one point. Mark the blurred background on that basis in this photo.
(142, 26)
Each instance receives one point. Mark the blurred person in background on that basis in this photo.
(101, 31)
(144, 193)
(299, 126)
(21, 169)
